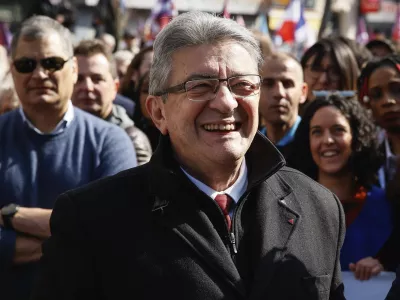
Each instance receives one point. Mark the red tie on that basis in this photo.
(224, 202)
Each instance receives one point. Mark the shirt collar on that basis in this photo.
(235, 191)
(289, 136)
(64, 123)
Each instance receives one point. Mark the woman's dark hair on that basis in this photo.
(342, 57)
(361, 53)
(362, 83)
(365, 159)
(138, 116)
(126, 87)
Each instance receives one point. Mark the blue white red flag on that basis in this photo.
(225, 12)
(293, 26)
(161, 14)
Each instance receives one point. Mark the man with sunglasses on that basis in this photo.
(46, 147)
(214, 214)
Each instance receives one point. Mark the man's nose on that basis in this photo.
(224, 101)
(88, 84)
(39, 72)
(279, 90)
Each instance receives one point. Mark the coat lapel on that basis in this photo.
(202, 234)
(210, 248)
(278, 219)
(196, 220)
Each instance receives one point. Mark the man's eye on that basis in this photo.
(97, 79)
(199, 86)
(243, 85)
(268, 82)
(287, 83)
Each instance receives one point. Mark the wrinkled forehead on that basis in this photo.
(50, 44)
(285, 68)
(228, 57)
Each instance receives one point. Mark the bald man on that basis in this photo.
(283, 90)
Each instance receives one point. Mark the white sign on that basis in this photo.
(91, 2)
(376, 288)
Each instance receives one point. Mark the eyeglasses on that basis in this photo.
(241, 86)
(316, 72)
(393, 89)
(28, 65)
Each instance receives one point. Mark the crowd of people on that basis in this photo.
(204, 166)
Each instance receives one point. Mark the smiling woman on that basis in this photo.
(336, 145)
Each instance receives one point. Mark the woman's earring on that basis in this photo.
(365, 99)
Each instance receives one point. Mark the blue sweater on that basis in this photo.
(35, 169)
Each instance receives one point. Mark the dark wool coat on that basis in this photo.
(149, 233)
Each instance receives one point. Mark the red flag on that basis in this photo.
(225, 12)
(292, 22)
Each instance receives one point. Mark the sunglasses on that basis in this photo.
(28, 65)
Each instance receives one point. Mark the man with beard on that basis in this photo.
(96, 89)
(282, 91)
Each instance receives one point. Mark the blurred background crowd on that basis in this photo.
(329, 98)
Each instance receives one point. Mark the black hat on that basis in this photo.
(380, 42)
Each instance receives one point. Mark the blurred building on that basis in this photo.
(382, 21)
(91, 17)
(136, 12)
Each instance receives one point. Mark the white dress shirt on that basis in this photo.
(64, 123)
(235, 191)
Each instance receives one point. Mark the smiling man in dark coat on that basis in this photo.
(215, 214)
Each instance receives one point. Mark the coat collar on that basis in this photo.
(183, 207)
(262, 159)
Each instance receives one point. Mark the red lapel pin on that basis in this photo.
(291, 221)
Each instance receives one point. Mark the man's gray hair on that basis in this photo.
(192, 29)
(37, 27)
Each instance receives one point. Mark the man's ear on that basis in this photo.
(156, 109)
(117, 84)
(304, 93)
